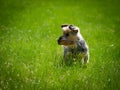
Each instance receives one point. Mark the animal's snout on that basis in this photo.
(64, 41)
(60, 39)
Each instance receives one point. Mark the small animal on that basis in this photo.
(74, 44)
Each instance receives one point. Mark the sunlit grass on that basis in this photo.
(30, 58)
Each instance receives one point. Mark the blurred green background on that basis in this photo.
(30, 58)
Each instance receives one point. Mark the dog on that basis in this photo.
(74, 44)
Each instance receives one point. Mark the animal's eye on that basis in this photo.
(67, 34)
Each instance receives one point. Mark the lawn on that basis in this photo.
(30, 58)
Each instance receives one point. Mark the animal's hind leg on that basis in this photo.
(86, 59)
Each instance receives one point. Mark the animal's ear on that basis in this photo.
(64, 25)
(71, 27)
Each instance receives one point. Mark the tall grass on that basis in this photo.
(30, 58)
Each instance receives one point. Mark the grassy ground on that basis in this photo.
(30, 57)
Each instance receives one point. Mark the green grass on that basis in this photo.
(30, 58)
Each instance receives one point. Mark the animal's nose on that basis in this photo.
(59, 40)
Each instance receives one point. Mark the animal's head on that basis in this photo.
(69, 36)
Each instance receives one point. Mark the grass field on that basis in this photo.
(30, 58)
